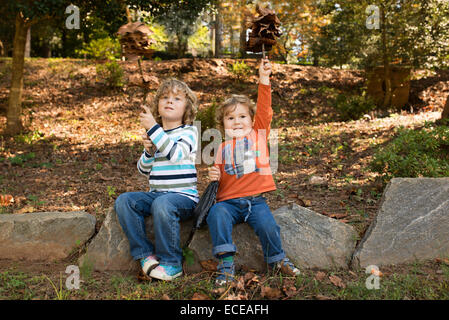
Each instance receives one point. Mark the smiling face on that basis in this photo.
(237, 121)
(172, 106)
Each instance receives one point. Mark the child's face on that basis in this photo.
(172, 105)
(237, 121)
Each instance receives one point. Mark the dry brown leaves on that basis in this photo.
(336, 281)
(442, 260)
(6, 200)
(209, 265)
(249, 285)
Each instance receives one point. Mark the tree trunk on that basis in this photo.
(218, 30)
(13, 116)
(445, 114)
(28, 44)
(242, 46)
(387, 68)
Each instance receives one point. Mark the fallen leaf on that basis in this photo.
(6, 200)
(209, 265)
(200, 296)
(289, 291)
(240, 284)
(377, 273)
(250, 277)
(165, 297)
(270, 293)
(104, 178)
(320, 276)
(142, 277)
(338, 215)
(321, 297)
(219, 290)
(442, 260)
(336, 281)
(28, 209)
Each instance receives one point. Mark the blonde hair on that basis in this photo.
(231, 102)
(170, 85)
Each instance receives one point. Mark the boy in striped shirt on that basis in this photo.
(168, 160)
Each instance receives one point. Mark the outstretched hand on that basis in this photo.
(265, 71)
(146, 118)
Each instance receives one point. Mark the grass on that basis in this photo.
(415, 281)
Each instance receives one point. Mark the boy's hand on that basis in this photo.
(146, 118)
(147, 144)
(265, 71)
(214, 173)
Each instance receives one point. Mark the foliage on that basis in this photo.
(111, 73)
(416, 33)
(415, 153)
(353, 107)
(199, 42)
(159, 36)
(179, 21)
(207, 117)
(240, 70)
(105, 48)
(300, 23)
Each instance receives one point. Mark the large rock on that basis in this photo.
(109, 250)
(313, 240)
(249, 251)
(412, 224)
(309, 239)
(44, 235)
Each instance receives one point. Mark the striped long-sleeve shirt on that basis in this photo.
(172, 167)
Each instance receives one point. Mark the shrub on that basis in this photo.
(415, 153)
(111, 73)
(102, 49)
(207, 117)
(240, 70)
(353, 107)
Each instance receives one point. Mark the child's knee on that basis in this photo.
(121, 201)
(215, 214)
(161, 209)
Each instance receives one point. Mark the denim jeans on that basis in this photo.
(167, 209)
(253, 210)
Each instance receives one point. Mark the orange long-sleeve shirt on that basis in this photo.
(244, 162)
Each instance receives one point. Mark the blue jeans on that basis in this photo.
(254, 210)
(167, 209)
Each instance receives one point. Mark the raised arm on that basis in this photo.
(264, 112)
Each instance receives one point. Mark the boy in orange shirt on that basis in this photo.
(243, 171)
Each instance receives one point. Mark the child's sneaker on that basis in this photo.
(286, 267)
(167, 273)
(148, 263)
(226, 272)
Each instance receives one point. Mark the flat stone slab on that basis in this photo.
(44, 235)
(309, 239)
(412, 224)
